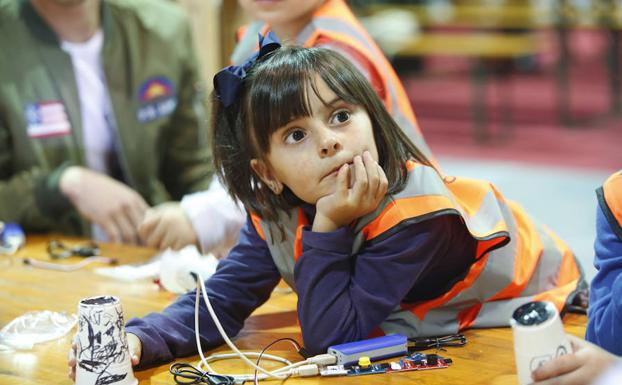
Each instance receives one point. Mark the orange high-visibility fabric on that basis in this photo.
(257, 225)
(613, 195)
(302, 222)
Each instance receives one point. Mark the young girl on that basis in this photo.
(350, 214)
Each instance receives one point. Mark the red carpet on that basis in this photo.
(442, 103)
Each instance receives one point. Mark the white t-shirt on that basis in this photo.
(95, 106)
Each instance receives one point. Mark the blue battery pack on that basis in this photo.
(375, 348)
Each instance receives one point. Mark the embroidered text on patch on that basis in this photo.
(157, 98)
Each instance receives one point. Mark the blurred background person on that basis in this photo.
(101, 115)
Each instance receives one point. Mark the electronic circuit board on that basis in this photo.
(417, 361)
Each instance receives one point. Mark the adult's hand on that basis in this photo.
(134, 346)
(112, 205)
(582, 367)
(167, 226)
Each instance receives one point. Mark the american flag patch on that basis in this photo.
(47, 119)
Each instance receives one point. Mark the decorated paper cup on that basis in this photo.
(539, 337)
(102, 353)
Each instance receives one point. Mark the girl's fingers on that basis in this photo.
(361, 183)
(577, 343)
(342, 180)
(383, 183)
(372, 174)
(557, 367)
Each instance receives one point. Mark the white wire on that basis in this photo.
(72, 267)
(274, 374)
(286, 370)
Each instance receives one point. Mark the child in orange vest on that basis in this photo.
(605, 318)
(349, 212)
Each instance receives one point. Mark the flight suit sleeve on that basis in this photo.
(187, 164)
(31, 197)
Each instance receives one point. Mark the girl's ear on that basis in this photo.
(263, 171)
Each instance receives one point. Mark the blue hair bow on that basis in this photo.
(227, 81)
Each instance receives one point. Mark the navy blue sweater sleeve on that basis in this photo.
(241, 283)
(604, 326)
(342, 298)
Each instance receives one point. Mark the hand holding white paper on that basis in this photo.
(102, 353)
(538, 337)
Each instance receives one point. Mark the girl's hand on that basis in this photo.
(581, 367)
(134, 346)
(369, 185)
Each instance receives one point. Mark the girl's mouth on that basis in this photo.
(335, 171)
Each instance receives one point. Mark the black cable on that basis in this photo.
(186, 374)
(293, 341)
(58, 250)
(440, 342)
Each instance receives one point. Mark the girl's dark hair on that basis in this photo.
(276, 91)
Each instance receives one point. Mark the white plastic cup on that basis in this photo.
(539, 337)
(102, 353)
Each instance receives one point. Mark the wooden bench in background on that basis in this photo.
(482, 31)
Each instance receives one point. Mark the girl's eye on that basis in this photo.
(341, 116)
(295, 136)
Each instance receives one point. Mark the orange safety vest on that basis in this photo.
(335, 21)
(517, 260)
(610, 199)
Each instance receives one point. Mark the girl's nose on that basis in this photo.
(329, 145)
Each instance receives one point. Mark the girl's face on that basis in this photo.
(306, 153)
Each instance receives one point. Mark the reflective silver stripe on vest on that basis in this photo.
(498, 313)
(332, 24)
(545, 276)
(422, 181)
(247, 44)
(406, 323)
(282, 250)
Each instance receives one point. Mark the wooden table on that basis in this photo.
(486, 359)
